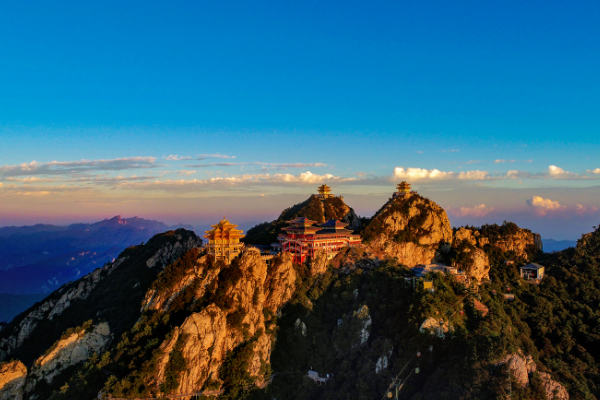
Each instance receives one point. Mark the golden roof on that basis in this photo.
(403, 186)
(224, 230)
(324, 189)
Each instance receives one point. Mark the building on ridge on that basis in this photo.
(224, 241)
(304, 237)
(324, 192)
(403, 190)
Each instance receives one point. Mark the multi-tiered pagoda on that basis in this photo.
(324, 192)
(403, 189)
(304, 237)
(224, 241)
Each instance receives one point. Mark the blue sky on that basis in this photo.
(257, 94)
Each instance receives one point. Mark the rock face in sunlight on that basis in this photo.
(12, 380)
(236, 318)
(507, 238)
(67, 352)
(413, 229)
(522, 367)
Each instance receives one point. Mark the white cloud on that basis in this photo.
(421, 173)
(240, 180)
(264, 165)
(29, 179)
(177, 158)
(559, 173)
(224, 164)
(186, 172)
(480, 210)
(473, 175)
(74, 167)
(594, 171)
(206, 156)
(542, 206)
(580, 209)
(501, 161)
(289, 165)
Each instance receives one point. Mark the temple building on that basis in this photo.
(224, 241)
(532, 271)
(304, 237)
(403, 190)
(324, 192)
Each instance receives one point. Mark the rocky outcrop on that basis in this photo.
(434, 327)
(207, 337)
(201, 276)
(412, 229)
(522, 367)
(506, 237)
(170, 252)
(478, 266)
(12, 380)
(280, 282)
(554, 390)
(71, 350)
(383, 361)
(318, 265)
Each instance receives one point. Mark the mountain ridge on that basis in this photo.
(193, 324)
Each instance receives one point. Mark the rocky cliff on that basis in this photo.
(413, 229)
(12, 380)
(508, 238)
(241, 300)
(320, 210)
(522, 368)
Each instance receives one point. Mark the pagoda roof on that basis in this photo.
(301, 229)
(334, 223)
(224, 229)
(533, 266)
(301, 220)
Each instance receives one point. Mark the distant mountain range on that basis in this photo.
(551, 245)
(38, 259)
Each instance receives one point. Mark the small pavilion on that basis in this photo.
(324, 192)
(532, 271)
(224, 241)
(403, 189)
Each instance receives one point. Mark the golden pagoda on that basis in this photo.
(324, 192)
(224, 241)
(403, 189)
